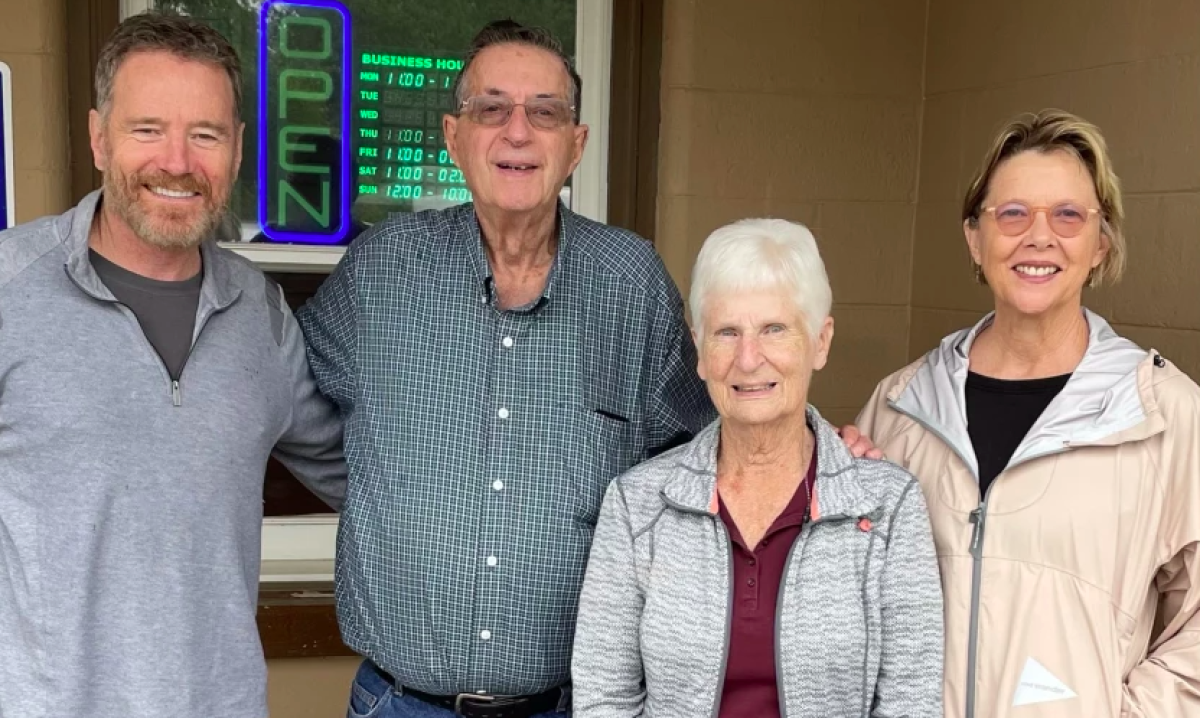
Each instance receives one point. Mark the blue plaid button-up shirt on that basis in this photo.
(480, 440)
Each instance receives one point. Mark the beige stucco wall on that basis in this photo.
(33, 36)
(807, 110)
(1131, 68)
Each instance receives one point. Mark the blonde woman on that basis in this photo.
(1061, 461)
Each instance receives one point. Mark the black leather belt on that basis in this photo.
(473, 705)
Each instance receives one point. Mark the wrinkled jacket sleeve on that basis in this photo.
(1167, 683)
(910, 674)
(606, 668)
(311, 445)
(678, 406)
(870, 419)
(867, 418)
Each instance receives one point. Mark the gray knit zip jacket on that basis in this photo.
(131, 505)
(859, 623)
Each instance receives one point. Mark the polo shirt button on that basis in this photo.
(751, 582)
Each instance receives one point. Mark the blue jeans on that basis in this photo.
(373, 696)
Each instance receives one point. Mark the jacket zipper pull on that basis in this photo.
(977, 534)
(176, 394)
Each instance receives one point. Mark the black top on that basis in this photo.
(1000, 412)
(165, 310)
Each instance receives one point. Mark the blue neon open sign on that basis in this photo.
(304, 130)
(7, 181)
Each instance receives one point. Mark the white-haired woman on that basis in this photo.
(761, 570)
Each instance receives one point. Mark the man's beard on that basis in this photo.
(163, 226)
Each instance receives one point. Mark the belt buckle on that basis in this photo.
(458, 700)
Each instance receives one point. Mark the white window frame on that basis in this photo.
(301, 548)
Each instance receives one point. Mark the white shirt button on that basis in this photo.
(485, 635)
(503, 413)
(498, 485)
(508, 342)
(492, 560)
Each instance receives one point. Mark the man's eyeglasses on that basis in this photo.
(546, 113)
(1067, 219)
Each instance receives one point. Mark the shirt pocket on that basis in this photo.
(597, 445)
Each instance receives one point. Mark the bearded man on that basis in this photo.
(145, 377)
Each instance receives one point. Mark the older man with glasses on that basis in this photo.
(497, 364)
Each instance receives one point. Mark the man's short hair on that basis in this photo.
(181, 36)
(511, 32)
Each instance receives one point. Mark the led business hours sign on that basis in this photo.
(304, 131)
(401, 157)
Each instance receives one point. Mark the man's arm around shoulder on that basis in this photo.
(311, 446)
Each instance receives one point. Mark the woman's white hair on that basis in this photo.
(763, 254)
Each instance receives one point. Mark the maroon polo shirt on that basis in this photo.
(750, 688)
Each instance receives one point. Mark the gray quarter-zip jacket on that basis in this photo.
(859, 623)
(131, 507)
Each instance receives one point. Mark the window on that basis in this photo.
(399, 58)
(383, 82)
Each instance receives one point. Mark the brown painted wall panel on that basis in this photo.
(804, 147)
(983, 43)
(309, 687)
(808, 111)
(867, 248)
(852, 47)
(929, 326)
(869, 343)
(942, 273)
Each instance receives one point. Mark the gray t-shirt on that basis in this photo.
(166, 310)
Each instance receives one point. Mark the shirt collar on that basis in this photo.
(218, 289)
(837, 491)
(566, 222)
